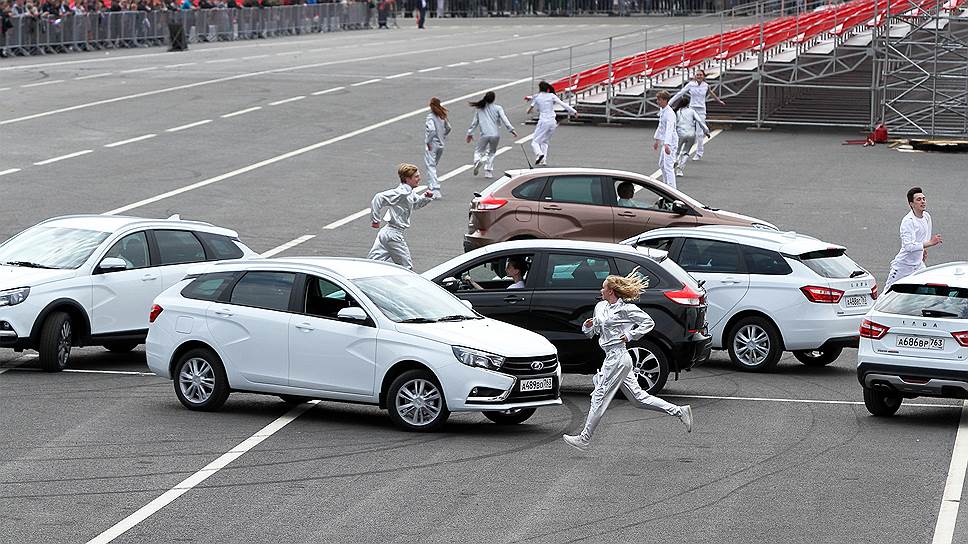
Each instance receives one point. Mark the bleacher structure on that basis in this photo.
(842, 65)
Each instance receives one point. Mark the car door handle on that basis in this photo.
(149, 277)
(729, 280)
(511, 299)
(552, 207)
(223, 313)
(625, 214)
(306, 327)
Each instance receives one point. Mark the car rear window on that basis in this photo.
(530, 190)
(831, 263)
(765, 262)
(678, 273)
(925, 301)
(208, 286)
(628, 267)
(223, 246)
(495, 185)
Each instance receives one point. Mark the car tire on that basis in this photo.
(120, 347)
(881, 403)
(754, 344)
(513, 416)
(430, 414)
(200, 380)
(818, 357)
(650, 364)
(294, 400)
(56, 340)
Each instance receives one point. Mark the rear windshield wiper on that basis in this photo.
(419, 320)
(29, 264)
(856, 273)
(927, 312)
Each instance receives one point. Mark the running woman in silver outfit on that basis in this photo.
(488, 118)
(390, 244)
(617, 321)
(436, 130)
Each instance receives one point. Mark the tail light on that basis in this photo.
(822, 294)
(869, 329)
(490, 203)
(961, 337)
(874, 293)
(686, 296)
(155, 312)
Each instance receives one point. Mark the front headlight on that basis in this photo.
(473, 357)
(11, 297)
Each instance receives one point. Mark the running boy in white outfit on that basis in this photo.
(617, 321)
(390, 244)
(916, 238)
(666, 139)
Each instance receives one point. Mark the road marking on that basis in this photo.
(63, 157)
(944, 529)
(457, 64)
(488, 59)
(218, 61)
(300, 151)
(9, 171)
(805, 401)
(284, 53)
(425, 70)
(118, 372)
(180, 65)
(189, 125)
(288, 245)
(195, 479)
(256, 57)
(509, 56)
(401, 74)
(327, 91)
(286, 101)
(367, 82)
(5, 89)
(547, 49)
(148, 69)
(131, 140)
(348, 219)
(240, 112)
(41, 84)
(92, 76)
(529, 52)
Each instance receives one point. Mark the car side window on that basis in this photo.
(531, 189)
(664, 244)
(267, 290)
(498, 274)
(764, 261)
(631, 194)
(325, 299)
(626, 268)
(178, 247)
(209, 286)
(698, 255)
(575, 189)
(223, 247)
(132, 249)
(576, 272)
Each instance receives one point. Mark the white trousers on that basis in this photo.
(899, 272)
(542, 137)
(700, 137)
(685, 144)
(485, 150)
(616, 372)
(667, 165)
(431, 159)
(390, 245)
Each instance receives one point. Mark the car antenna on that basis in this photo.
(526, 157)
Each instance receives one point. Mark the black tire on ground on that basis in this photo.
(428, 415)
(818, 357)
(881, 403)
(511, 417)
(754, 344)
(56, 340)
(120, 347)
(200, 381)
(294, 399)
(651, 364)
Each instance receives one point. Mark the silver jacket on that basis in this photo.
(436, 130)
(401, 202)
(490, 118)
(613, 323)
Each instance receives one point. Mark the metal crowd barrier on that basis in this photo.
(31, 35)
(567, 8)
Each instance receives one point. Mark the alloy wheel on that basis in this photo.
(645, 365)
(751, 345)
(197, 380)
(418, 402)
(64, 344)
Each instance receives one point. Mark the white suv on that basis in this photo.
(914, 342)
(90, 279)
(347, 330)
(771, 291)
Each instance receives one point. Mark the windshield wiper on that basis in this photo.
(29, 264)
(856, 273)
(927, 312)
(455, 317)
(419, 320)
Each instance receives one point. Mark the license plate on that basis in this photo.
(855, 301)
(536, 385)
(920, 342)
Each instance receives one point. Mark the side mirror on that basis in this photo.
(112, 264)
(451, 284)
(467, 303)
(679, 207)
(353, 314)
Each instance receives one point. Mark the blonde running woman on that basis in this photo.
(488, 118)
(436, 130)
(617, 321)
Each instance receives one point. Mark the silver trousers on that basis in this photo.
(486, 150)
(431, 158)
(390, 245)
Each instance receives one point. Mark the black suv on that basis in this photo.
(561, 285)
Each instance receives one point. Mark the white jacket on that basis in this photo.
(545, 104)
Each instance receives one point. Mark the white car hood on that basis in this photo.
(12, 277)
(486, 334)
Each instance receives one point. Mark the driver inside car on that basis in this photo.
(626, 195)
(516, 268)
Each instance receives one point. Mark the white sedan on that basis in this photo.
(345, 330)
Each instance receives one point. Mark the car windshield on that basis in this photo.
(832, 263)
(925, 301)
(51, 247)
(408, 298)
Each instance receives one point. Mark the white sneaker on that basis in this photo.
(575, 441)
(697, 158)
(437, 195)
(679, 172)
(685, 416)
(477, 166)
(488, 174)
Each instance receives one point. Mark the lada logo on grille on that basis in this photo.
(537, 365)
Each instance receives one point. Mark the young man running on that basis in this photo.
(916, 238)
(390, 244)
(666, 139)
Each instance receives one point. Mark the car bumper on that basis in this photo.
(694, 351)
(484, 390)
(13, 334)
(914, 381)
(821, 331)
(475, 240)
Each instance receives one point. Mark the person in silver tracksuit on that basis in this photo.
(617, 321)
(436, 130)
(390, 244)
(488, 118)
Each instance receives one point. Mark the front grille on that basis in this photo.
(522, 366)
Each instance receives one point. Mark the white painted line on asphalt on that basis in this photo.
(509, 56)
(288, 245)
(807, 401)
(367, 82)
(425, 70)
(63, 157)
(287, 100)
(547, 49)
(488, 59)
(148, 69)
(327, 91)
(131, 140)
(5, 89)
(944, 529)
(256, 57)
(180, 65)
(347, 219)
(117, 372)
(219, 61)
(240, 112)
(284, 53)
(9, 171)
(192, 481)
(189, 125)
(302, 150)
(529, 52)
(401, 74)
(93, 76)
(457, 64)
(41, 84)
